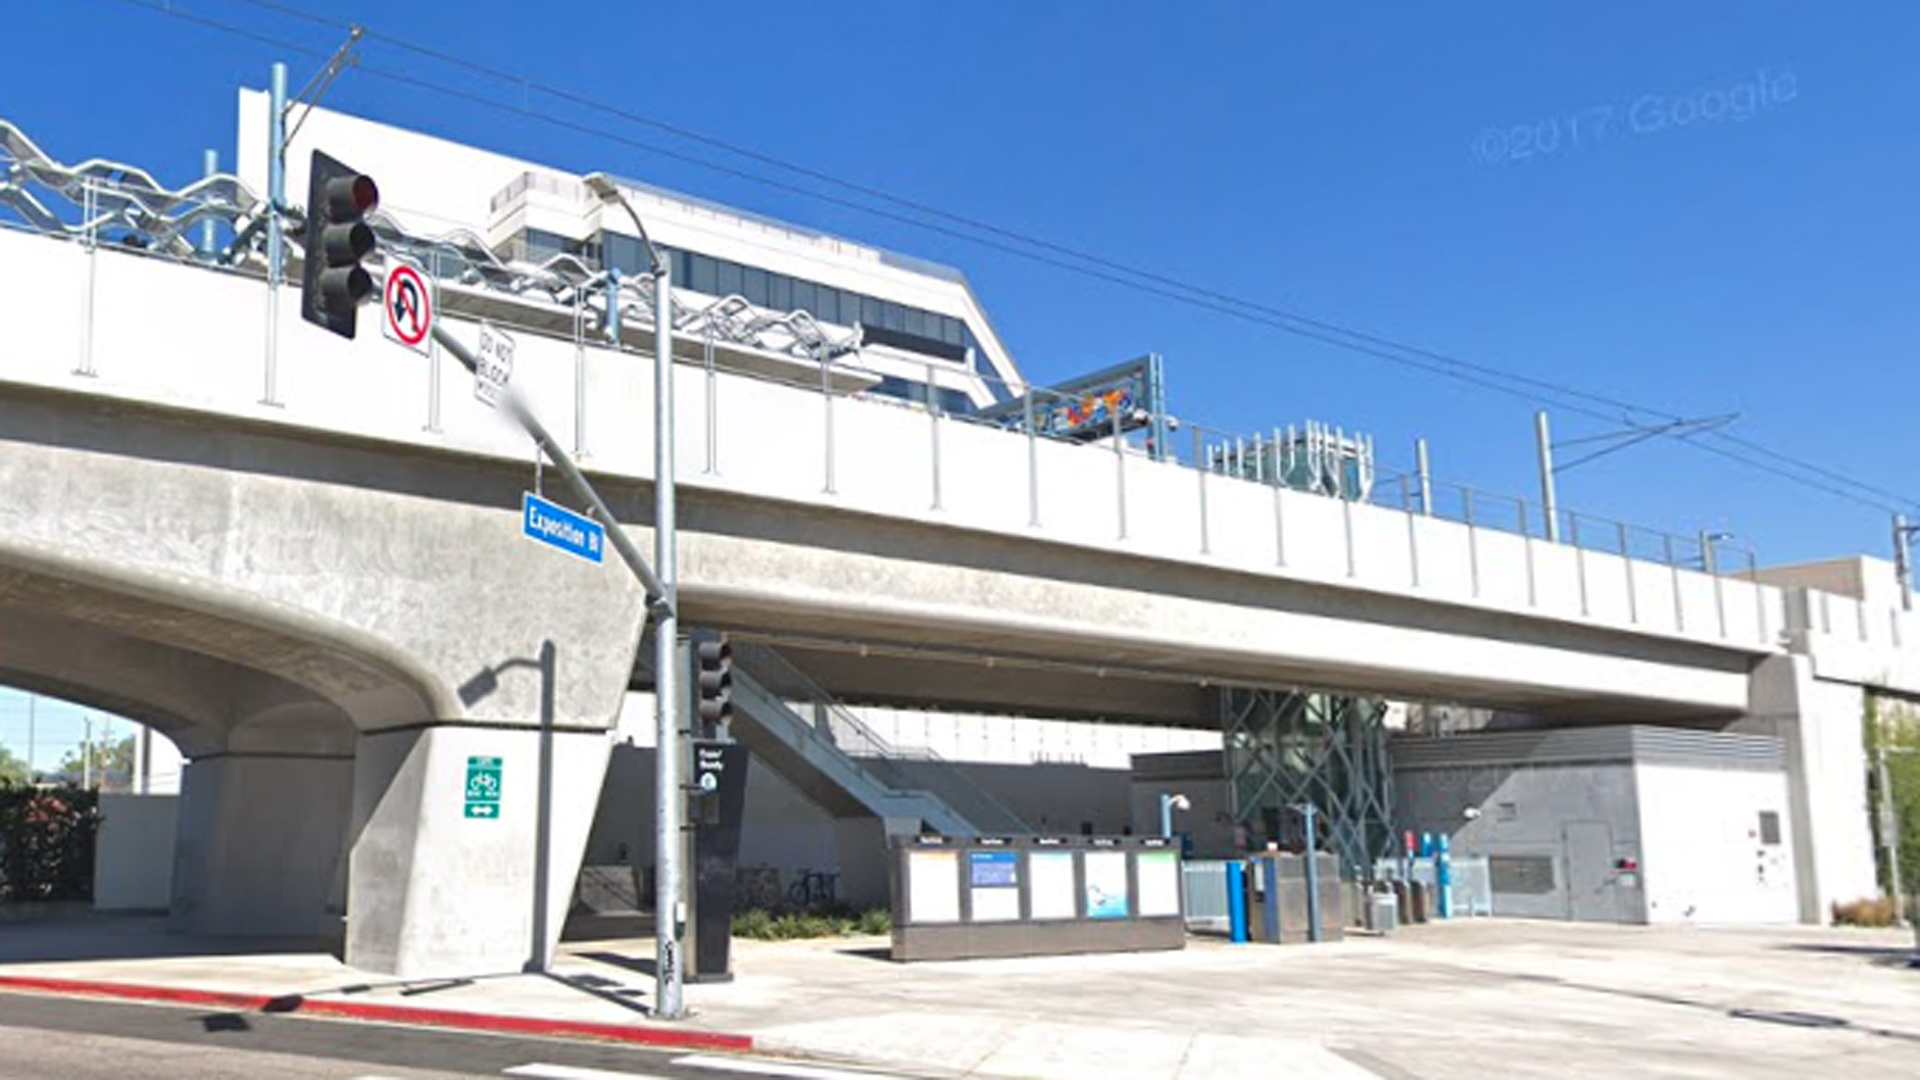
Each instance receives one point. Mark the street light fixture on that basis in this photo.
(1168, 804)
(669, 909)
(1708, 562)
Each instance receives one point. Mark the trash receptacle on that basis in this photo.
(1417, 901)
(1382, 910)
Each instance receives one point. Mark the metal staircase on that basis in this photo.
(825, 750)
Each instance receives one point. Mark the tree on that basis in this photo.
(12, 769)
(1894, 729)
(109, 758)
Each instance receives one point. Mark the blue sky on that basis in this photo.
(1386, 169)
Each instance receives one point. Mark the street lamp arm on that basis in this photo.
(609, 192)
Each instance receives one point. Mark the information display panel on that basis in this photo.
(994, 878)
(933, 886)
(1107, 896)
(1050, 885)
(1158, 873)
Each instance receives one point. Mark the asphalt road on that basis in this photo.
(43, 1037)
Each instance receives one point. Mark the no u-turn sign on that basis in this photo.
(408, 307)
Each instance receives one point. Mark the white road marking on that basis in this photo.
(539, 1071)
(782, 1069)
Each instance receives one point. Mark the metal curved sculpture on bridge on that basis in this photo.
(125, 204)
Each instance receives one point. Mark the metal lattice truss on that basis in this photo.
(100, 201)
(1289, 747)
(108, 200)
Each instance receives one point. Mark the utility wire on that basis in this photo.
(1012, 242)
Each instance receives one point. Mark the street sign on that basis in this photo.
(709, 765)
(557, 526)
(407, 303)
(483, 787)
(493, 366)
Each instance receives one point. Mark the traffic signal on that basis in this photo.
(713, 679)
(333, 282)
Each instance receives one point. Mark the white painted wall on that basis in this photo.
(1702, 858)
(133, 855)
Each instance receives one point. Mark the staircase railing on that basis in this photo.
(903, 769)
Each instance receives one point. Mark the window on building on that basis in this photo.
(767, 289)
(1769, 827)
(701, 275)
(1531, 874)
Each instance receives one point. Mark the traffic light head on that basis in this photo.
(333, 283)
(713, 674)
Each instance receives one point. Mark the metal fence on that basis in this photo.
(1203, 885)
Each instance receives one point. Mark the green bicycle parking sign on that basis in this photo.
(483, 787)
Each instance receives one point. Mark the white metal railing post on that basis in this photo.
(1413, 543)
(1473, 540)
(933, 433)
(1346, 528)
(579, 373)
(90, 240)
(1526, 539)
(1200, 469)
(826, 398)
(1679, 601)
(713, 404)
(1033, 460)
(1633, 588)
(1579, 560)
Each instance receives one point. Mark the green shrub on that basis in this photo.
(762, 925)
(46, 843)
(753, 923)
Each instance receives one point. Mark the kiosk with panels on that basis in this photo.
(959, 898)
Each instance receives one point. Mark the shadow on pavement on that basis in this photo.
(90, 935)
(1881, 955)
(639, 964)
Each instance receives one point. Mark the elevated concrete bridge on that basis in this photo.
(300, 558)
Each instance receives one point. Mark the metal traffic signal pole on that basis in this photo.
(577, 480)
(669, 909)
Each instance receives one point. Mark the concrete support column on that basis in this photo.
(445, 881)
(1819, 725)
(261, 836)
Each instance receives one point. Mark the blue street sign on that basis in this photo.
(560, 527)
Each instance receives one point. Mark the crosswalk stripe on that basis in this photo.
(540, 1071)
(784, 1070)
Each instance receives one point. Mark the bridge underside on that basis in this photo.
(892, 612)
(1111, 688)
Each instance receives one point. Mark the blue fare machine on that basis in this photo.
(1280, 909)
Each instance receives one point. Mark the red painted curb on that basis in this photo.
(296, 1004)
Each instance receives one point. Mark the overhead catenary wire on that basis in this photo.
(914, 214)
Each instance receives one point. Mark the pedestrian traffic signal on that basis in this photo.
(332, 282)
(713, 678)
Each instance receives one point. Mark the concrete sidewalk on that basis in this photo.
(1465, 999)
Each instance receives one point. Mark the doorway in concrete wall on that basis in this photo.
(1587, 848)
